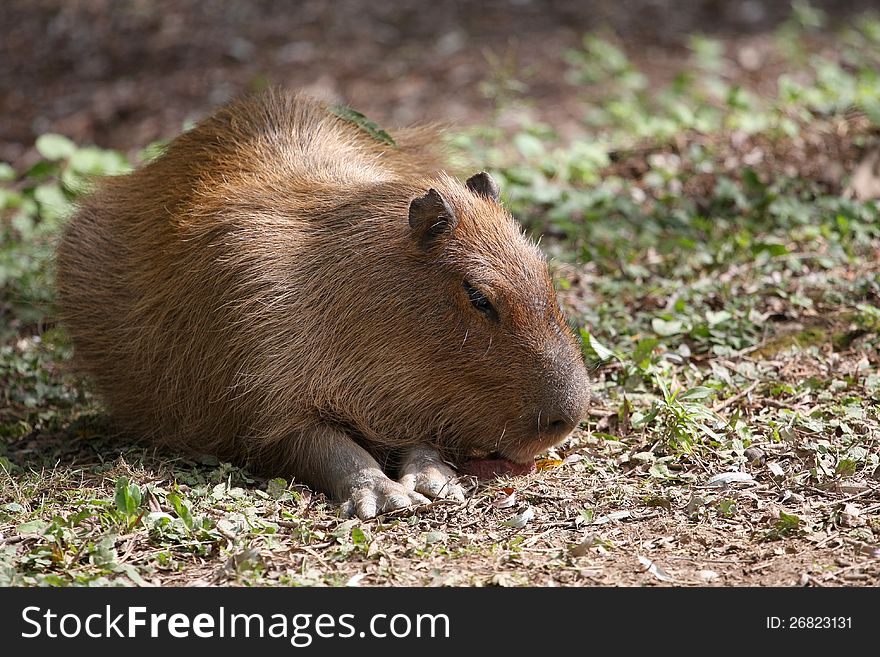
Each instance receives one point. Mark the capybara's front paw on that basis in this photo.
(372, 493)
(425, 472)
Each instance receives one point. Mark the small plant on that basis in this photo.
(33, 206)
(681, 417)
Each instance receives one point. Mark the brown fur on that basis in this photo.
(258, 287)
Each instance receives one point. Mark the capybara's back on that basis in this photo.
(283, 288)
(167, 277)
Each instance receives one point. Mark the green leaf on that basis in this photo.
(33, 527)
(370, 127)
(74, 183)
(132, 573)
(152, 151)
(699, 392)
(41, 170)
(857, 453)
(24, 224)
(872, 111)
(769, 248)
(845, 467)
(667, 327)
(9, 199)
(529, 146)
(659, 471)
(181, 509)
(53, 202)
(104, 553)
(96, 162)
(55, 147)
(6, 171)
(642, 354)
(787, 522)
(359, 538)
(727, 508)
(753, 183)
(128, 496)
(714, 318)
(596, 348)
(276, 487)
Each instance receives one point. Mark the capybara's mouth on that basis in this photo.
(495, 466)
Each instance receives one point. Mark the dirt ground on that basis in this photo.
(123, 74)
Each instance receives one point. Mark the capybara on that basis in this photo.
(289, 289)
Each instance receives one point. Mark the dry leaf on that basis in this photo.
(355, 580)
(755, 455)
(520, 520)
(725, 478)
(505, 499)
(850, 516)
(655, 570)
(865, 182)
(616, 515)
(153, 502)
(584, 546)
(547, 464)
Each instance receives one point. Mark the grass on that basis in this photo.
(723, 275)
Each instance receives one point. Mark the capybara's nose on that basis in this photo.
(560, 426)
(565, 401)
(556, 424)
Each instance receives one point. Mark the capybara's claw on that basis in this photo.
(435, 485)
(379, 494)
(425, 472)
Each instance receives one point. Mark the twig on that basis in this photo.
(855, 566)
(695, 560)
(732, 400)
(843, 500)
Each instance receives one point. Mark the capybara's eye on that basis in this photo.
(480, 302)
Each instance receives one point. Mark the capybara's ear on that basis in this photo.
(482, 184)
(430, 216)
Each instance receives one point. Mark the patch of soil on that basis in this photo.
(123, 73)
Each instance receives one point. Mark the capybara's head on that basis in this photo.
(487, 352)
